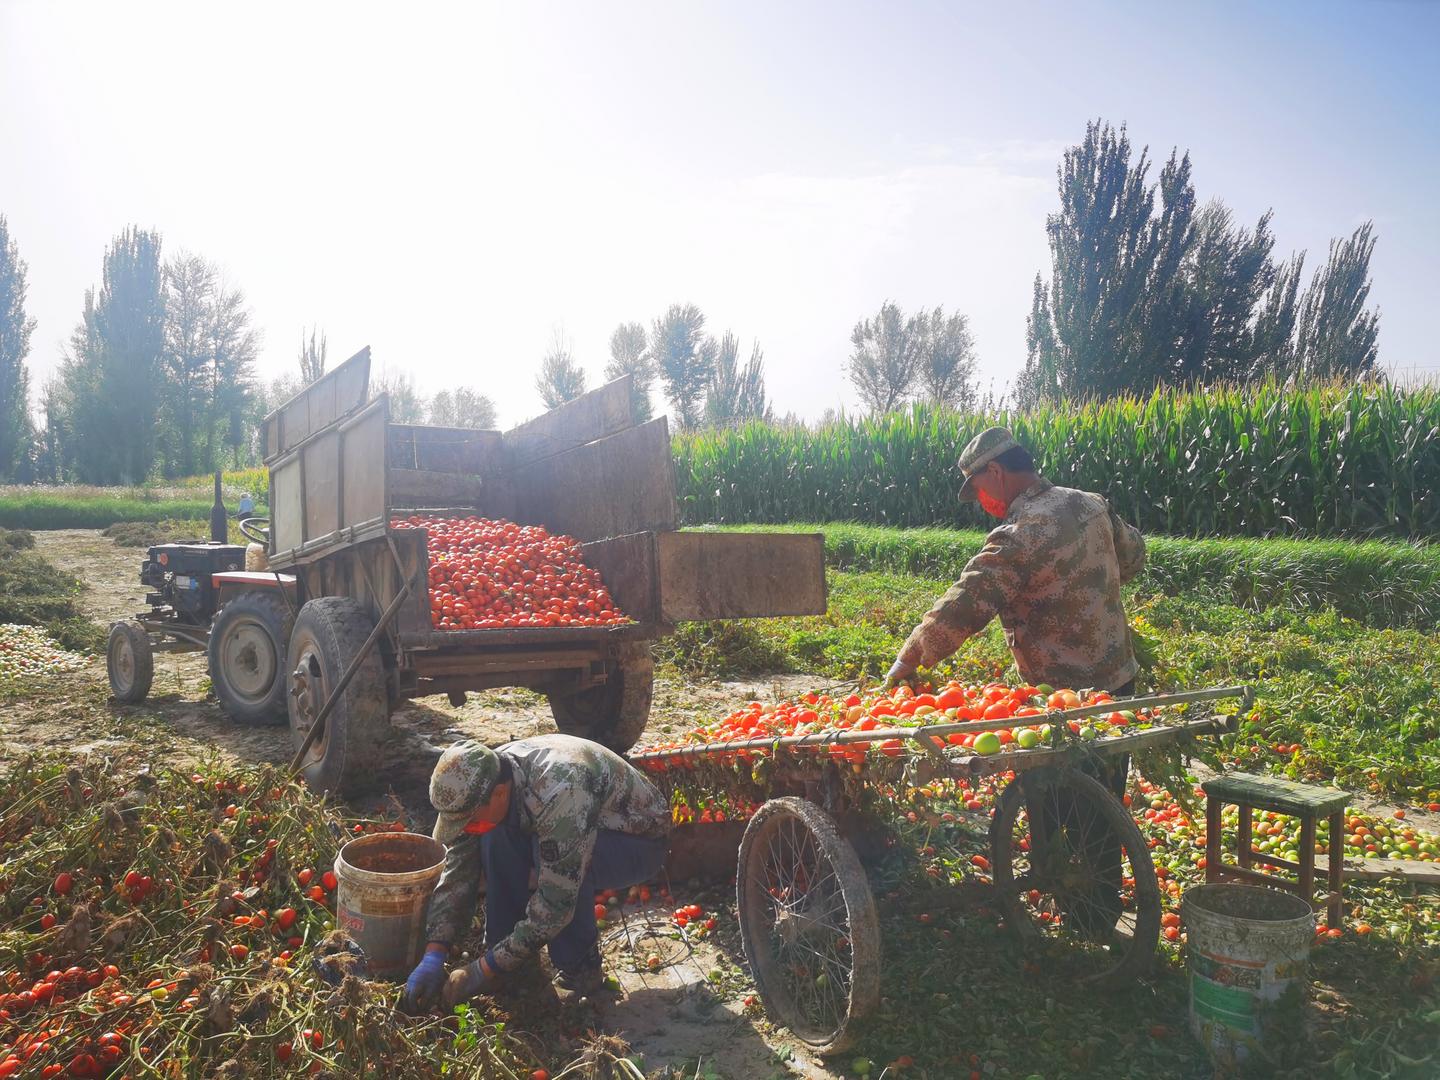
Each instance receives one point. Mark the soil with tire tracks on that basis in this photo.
(682, 1013)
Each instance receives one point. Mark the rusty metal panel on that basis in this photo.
(335, 394)
(413, 618)
(601, 412)
(621, 484)
(628, 566)
(321, 459)
(363, 468)
(706, 575)
(449, 450)
(287, 522)
(412, 487)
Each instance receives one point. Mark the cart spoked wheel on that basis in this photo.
(247, 656)
(807, 923)
(614, 713)
(129, 662)
(1074, 877)
(328, 635)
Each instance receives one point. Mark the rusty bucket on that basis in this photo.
(383, 898)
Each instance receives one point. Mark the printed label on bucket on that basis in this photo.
(1225, 1005)
(1227, 972)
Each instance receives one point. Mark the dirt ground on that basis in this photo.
(687, 1014)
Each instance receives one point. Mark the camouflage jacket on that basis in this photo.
(1052, 571)
(566, 790)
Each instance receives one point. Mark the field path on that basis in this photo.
(671, 1016)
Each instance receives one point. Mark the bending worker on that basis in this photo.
(1052, 571)
(570, 810)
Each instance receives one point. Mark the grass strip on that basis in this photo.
(1377, 583)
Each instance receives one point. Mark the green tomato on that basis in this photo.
(861, 1066)
(1027, 739)
(987, 742)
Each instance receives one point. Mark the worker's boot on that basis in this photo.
(581, 982)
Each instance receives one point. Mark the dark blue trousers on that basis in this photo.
(508, 854)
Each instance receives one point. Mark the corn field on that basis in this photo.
(1255, 461)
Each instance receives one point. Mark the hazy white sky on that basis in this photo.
(452, 185)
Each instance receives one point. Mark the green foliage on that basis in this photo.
(1361, 701)
(48, 510)
(1145, 290)
(1359, 460)
(34, 593)
(630, 355)
(736, 393)
(15, 330)
(111, 384)
(1375, 583)
(561, 377)
(462, 408)
(144, 534)
(685, 360)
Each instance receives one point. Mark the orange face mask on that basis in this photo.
(992, 506)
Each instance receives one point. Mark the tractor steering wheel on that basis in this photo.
(256, 529)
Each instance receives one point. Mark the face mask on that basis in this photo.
(479, 828)
(992, 506)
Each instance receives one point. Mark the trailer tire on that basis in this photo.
(615, 713)
(129, 662)
(327, 636)
(248, 643)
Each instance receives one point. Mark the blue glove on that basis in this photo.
(425, 982)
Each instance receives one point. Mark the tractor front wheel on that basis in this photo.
(129, 662)
(329, 633)
(247, 656)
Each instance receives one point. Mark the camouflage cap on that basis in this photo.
(979, 452)
(463, 780)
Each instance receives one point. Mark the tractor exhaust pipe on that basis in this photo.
(219, 524)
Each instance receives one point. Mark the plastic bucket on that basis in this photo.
(383, 897)
(1247, 948)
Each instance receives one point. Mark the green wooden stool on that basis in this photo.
(1249, 792)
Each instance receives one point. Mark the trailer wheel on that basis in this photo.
(615, 713)
(1074, 877)
(807, 923)
(328, 634)
(129, 662)
(247, 656)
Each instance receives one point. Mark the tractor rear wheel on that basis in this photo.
(614, 713)
(247, 656)
(129, 662)
(328, 635)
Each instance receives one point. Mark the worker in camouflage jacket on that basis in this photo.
(569, 810)
(1052, 571)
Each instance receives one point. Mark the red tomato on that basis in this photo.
(329, 880)
(64, 883)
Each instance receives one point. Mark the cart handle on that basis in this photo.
(927, 736)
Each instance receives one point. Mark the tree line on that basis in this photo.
(1146, 288)
(701, 377)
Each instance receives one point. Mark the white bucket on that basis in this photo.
(383, 899)
(1248, 950)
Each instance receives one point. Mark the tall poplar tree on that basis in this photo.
(113, 375)
(16, 431)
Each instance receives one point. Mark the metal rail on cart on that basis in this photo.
(930, 738)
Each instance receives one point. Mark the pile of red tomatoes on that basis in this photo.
(487, 574)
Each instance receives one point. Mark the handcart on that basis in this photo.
(1071, 873)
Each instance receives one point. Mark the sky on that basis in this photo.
(457, 185)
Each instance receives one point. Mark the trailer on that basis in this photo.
(1070, 871)
(336, 629)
